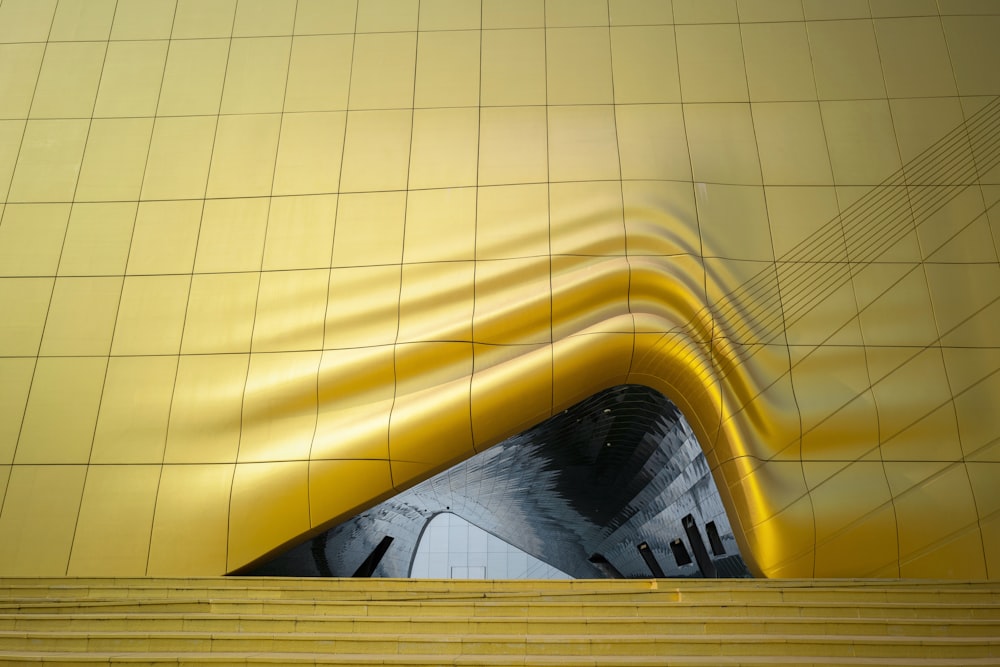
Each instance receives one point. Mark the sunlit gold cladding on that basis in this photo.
(264, 262)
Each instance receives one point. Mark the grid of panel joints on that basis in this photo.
(408, 171)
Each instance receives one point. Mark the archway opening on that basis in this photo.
(614, 486)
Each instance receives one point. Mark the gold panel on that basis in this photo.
(323, 16)
(513, 14)
(218, 298)
(39, 519)
(914, 57)
(382, 71)
(846, 543)
(203, 18)
(193, 79)
(13, 397)
(114, 159)
(934, 507)
(578, 66)
(151, 315)
(81, 316)
(777, 62)
(336, 486)
(49, 160)
(243, 156)
(430, 373)
(301, 255)
(450, 14)
(861, 141)
(447, 68)
(67, 83)
(206, 409)
(309, 152)
(528, 368)
(512, 68)
(179, 156)
(355, 399)
(387, 15)
(518, 156)
(586, 219)
(376, 151)
(704, 11)
(441, 225)
(512, 221)
(722, 144)
(710, 60)
(572, 370)
(279, 407)
(651, 142)
(31, 237)
(639, 12)
(320, 68)
(25, 20)
(570, 13)
(972, 46)
(24, 302)
(851, 74)
(582, 144)
(370, 229)
(143, 19)
(130, 82)
(504, 282)
(173, 528)
(436, 302)
(82, 19)
(269, 506)
(132, 426)
(633, 46)
(300, 232)
(231, 235)
(11, 132)
(444, 148)
(263, 17)
(717, 207)
(71, 388)
(116, 515)
(290, 309)
(164, 237)
(255, 75)
(17, 81)
(652, 209)
(751, 11)
(787, 161)
(373, 321)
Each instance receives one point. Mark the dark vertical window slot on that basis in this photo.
(681, 555)
(705, 564)
(714, 540)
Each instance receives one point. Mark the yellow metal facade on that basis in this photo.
(263, 262)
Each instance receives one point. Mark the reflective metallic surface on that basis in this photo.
(266, 263)
(589, 484)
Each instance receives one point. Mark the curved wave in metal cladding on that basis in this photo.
(580, 491)
(218, 338)
(810, 428)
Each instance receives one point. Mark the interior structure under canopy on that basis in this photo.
(581, 491)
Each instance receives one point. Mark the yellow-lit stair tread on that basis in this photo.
(240, 621)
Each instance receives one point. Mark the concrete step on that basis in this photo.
(456, 624)
(506, 644)
(394, 589)
(367, 622)
(522, 608)
(90, 659)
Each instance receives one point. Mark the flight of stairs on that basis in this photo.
(263, 621)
